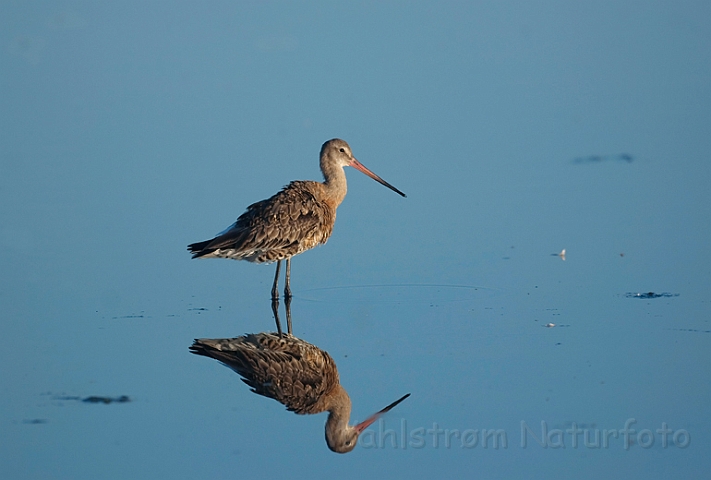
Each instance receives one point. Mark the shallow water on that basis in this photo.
(515, 132)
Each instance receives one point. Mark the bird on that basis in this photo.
(295, 373)
(297, 218)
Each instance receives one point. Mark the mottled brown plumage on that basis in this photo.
(293, 372)
(298, 218)
(297, 374)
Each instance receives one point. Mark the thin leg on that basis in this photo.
(287, 287)
(275, 286)
(287, 303)
(275, 311)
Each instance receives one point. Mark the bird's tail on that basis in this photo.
(233, 359)
(199, 249)
(211, 348)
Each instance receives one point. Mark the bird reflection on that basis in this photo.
(295, 373)
(275, 311)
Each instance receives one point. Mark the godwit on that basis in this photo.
(296, 219)
(295, 373)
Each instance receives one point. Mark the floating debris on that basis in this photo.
(561, 254)
(625, 157)
(650, 295)
(549, 325)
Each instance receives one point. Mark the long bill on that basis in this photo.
(359, 166)
(369, 421)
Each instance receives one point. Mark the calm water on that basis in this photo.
(129, 131)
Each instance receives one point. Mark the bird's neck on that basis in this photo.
(339, 410)
(335, 181)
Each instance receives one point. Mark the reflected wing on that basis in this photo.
(289, 370)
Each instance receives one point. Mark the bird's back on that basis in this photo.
(293, 372)
(296, 219)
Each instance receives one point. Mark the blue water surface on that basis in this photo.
(517, 130)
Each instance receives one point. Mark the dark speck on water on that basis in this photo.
(96, 399)
(650, 295)
(694, 330)
(625, 157)
(107, 400)
(35, 421)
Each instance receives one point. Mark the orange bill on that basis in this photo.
(359, 166)
(369, 421)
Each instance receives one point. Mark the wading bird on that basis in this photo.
(296, 219)
(295, 373)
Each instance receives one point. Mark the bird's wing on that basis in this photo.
(294, 219)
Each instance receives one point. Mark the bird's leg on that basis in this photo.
(275, 311)
(287, 281)
(287, 303)
(275, 286)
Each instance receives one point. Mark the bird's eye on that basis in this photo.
(343, 150)
(348, 443)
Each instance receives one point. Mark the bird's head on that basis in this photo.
(338, 152)
(343, 438)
